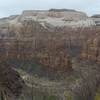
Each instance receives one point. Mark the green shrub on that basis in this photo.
(68, 95)
(2, 96)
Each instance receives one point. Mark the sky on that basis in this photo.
(13, 7)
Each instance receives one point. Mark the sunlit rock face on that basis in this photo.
(58, 17)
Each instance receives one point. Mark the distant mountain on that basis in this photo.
(96, 16)
(52, 17)
(61, 10)
(96, 19)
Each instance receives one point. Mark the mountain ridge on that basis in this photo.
(54, 17)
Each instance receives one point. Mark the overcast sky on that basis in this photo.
(12, 7)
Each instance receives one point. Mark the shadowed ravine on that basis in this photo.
(81, 84)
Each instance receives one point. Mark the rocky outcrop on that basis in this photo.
(58, 17)
(11, 83)
(91, 48)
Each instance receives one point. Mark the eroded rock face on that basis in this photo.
(11, 83)
(34, 30)
(91, 49)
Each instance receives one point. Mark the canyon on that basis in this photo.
(53, 52)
